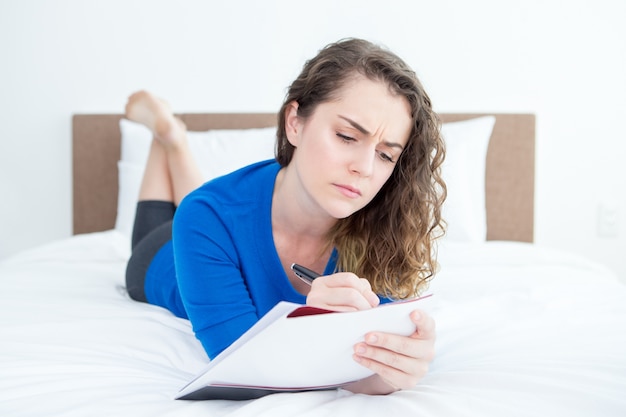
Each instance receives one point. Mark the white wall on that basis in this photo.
(565, 61)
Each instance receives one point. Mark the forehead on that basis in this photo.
(374, 106)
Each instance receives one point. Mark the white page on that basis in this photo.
(307, 351)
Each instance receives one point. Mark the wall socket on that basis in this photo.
(608, 220)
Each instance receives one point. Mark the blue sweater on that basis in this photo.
(228, 273)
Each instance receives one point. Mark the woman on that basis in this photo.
(354, 192)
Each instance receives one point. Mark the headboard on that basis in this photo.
(510, 174)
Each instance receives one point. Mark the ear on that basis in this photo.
(292, 123)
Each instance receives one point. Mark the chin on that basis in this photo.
(341, 211)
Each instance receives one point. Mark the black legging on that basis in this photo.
(152, 229)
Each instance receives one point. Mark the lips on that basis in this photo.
(348, 191)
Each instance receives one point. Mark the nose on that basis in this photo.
(362, 162)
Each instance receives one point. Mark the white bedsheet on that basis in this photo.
(521, 330)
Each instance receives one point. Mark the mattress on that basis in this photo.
(521, 330)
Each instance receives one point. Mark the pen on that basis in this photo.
(305, 274)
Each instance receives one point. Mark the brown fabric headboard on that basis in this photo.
(510, 175)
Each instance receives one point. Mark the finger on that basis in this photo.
(342, 279)
(338, 299)
(420, 344)
(366, 290)
(350, 280)
(393, 344)
(425, 325)
(385, 357)
(403, 373)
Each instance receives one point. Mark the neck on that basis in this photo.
(293, 213)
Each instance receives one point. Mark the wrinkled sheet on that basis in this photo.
(521, 330)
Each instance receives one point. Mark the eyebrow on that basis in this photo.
(366, 132)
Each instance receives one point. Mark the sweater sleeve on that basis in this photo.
(208, 270)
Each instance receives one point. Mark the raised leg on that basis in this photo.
(171, 171)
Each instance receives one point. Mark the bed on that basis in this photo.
(522, 329)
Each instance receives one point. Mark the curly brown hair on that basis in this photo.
(389, 241)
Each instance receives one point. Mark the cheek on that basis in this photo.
(383, 176)
(318, 156)
(324, 149)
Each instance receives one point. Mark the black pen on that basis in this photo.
(305, 274)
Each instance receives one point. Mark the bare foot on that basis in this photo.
(143, 107)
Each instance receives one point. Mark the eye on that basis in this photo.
(345, 138)
(385, 157)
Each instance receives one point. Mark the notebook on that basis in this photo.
(297, 348)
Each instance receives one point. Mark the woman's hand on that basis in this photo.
(342, 291)
(398, 361)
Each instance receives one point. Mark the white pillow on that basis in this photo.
(464, 174)
(463, 170)
(129, 181)
(217, 152)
